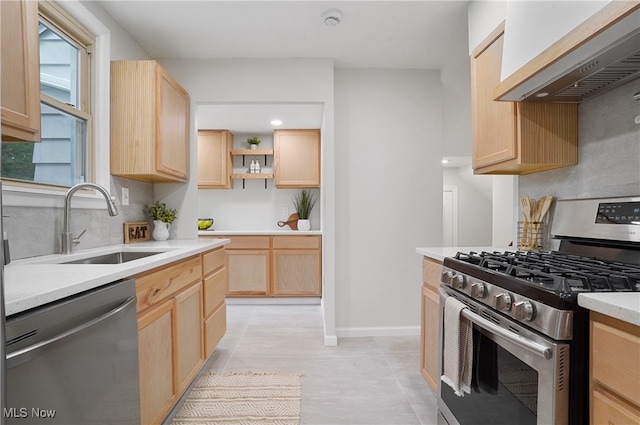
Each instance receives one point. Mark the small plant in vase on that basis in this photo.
(162, 218)
(253, 142)
(304, 202)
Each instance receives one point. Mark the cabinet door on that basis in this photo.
(188, 334)
(214, 159)
(155, 350)
(296, 272)
(494, 124)
(149, 123)
(215, 327)
(172, 149)
(429, 353)
(248, 272)
(20, 71)
(297, 158)
(215, 290)
(516, 137)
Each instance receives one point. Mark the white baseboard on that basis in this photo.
(378, 331)
(330, 341)
(273, 300)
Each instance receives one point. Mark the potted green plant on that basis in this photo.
(253, 142)
(162, 218)
(304, 202)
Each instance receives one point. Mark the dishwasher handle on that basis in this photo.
(33, 349)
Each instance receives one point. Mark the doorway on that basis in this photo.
(450, 216)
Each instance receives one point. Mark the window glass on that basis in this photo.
(59, 66)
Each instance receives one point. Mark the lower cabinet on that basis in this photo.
(275, 266)
(615, 371)
(248, 272)
(155, 351)
(296, 265)
(181, 318)
(215, 284)
(429, 328)
(248, 265)
(188, 328)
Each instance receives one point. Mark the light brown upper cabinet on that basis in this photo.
(296, 158)
(20, 71)
(516, 137)
(149, 123)
(214, 159)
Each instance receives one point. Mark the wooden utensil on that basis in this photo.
(533, 206)
(525, 206)
(543, 207)
(541, 211)
(292, 222)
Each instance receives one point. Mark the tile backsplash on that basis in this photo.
(608, 151)
(608, 155)
(36, 231)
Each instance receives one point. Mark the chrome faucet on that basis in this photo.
(67, 237)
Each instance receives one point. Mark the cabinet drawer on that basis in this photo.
(616, 356)
(247, 242)
(212, 260)
(431, 272)
(214, 329)
(158, 285)
(297, 242)
(608, 410)
(215, 290)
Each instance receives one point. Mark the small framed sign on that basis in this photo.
(136, 232)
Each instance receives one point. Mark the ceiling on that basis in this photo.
(256, 118)
(372, 34)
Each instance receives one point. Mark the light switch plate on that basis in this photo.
(125, 196)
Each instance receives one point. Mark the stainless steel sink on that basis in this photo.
(113, 258)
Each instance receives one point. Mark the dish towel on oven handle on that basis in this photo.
(458, 348)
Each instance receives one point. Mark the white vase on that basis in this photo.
(254, 146)
(160, 230)
(304, 225)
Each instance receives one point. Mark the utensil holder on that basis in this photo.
(530, 235)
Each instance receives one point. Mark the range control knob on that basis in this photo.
(478, 290)
(502, 301)
(523, 310)
(458, 282)
(446, 277)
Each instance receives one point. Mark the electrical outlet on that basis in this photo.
(125, 196)
(285, 212)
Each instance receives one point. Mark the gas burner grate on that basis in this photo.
(558, 272)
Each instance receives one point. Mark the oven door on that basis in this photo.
(519, 377)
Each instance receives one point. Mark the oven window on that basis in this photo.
(504, 389)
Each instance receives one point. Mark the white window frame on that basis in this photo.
(21, 195)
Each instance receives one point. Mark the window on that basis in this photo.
(62, 156)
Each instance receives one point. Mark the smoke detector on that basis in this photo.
(332, 17)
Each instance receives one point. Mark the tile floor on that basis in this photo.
(371, 380)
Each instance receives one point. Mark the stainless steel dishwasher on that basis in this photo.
(75, 361)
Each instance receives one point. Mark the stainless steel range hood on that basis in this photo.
(606, 61)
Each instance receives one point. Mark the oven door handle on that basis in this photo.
(531, 346)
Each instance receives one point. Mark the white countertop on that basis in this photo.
(36, 281)
(624, 306)
(258, 232)
(440, 252)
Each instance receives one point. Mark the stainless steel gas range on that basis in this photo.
(530, 336)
